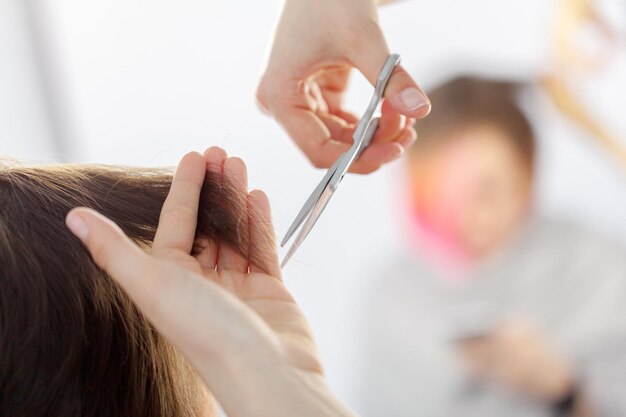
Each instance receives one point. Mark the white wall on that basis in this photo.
(144, 82)
(24, 123)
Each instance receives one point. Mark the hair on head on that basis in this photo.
(71, 342)
(467, 101)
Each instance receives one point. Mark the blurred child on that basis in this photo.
(498, 312)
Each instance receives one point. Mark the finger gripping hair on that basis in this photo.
(71, 342)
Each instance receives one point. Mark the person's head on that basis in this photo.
(471, 169)
(71, 341)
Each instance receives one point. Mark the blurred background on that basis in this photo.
(141, 83)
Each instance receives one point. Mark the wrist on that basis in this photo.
(278, 391)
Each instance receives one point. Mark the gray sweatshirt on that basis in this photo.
(570, 284)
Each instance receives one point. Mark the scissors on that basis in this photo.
(363, 134)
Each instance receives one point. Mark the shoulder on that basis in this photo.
(574, 241)
(582, 259)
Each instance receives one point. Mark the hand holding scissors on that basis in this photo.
(365, 131)
(316, 46)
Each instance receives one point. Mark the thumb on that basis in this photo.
(403, 93)
(111, 250)
(406, 96)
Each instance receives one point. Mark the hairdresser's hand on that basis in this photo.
(516, 355)
(238, 325)
(317, 43)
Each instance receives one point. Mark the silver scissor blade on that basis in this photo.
(354, 153)
(316, 212)
(365, 130)
(368, 136)
(381, 84)
(310, 202)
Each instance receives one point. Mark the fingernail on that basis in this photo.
(77, 226)
(413, 98)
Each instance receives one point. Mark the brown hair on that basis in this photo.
(465, 101)
(71, 342)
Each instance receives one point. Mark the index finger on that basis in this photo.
(262, 243)
(311, 135)
(179, 215)
(316, 135)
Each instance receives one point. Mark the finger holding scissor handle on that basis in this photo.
(394, 135)
(317, 44)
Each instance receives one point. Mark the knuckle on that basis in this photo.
(181, 213)
(267, 94)
(400, 72)
(317, 160)
(261, 94)
(365, 168)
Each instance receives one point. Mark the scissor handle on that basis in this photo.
(363, 134)
(369, 135)
(385, 74)
(367, 126)
(379, 92)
